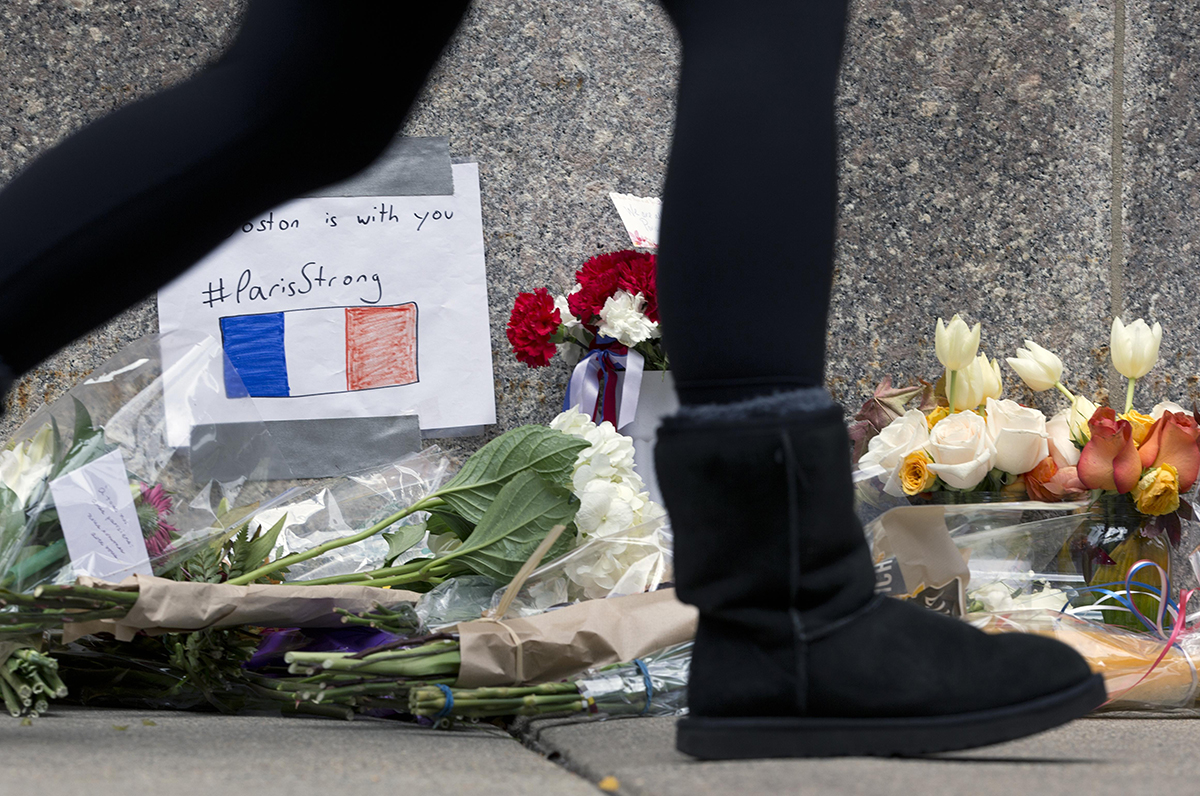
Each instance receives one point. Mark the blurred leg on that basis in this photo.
(310, 92)
(746, 260)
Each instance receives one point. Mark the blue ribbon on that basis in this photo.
(449, 706)
(641, 664)
(594, 385)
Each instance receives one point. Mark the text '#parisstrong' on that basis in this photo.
(311, 278)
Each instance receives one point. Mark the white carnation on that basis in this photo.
(623, 319)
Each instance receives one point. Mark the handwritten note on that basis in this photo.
(341, 307)
(640, 216)
(99, 520)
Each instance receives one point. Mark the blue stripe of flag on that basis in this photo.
(255, 363)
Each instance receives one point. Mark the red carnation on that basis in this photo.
(638, 276)
(534, 319)
(603, 275)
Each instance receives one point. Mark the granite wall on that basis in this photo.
(977, 153)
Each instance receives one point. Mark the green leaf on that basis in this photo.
(402, 541)
(537, 449)
(518, 520)
(12, 525)
(249, 552)
(445, 522)
(83, 422)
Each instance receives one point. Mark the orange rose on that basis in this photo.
(1110, 460)
(1172, 440)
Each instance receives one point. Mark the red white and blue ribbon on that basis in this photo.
(609, 370)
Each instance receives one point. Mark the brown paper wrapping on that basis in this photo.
(165, 606)
(562, 643)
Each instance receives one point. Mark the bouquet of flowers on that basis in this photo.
(970, 445)
(605, 326)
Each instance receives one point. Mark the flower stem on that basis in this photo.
(1129, 395)
(321, 549)
(950, 387)
(1062, 388)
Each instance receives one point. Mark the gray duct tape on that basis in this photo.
(408, 167)
(302, 448)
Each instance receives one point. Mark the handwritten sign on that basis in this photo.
(341, 307)
(640, 216)
(99, 520)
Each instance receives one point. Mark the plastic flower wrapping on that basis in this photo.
(980, 507)
(91, 485)
(327, 551)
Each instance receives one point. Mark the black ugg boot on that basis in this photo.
(795, 655)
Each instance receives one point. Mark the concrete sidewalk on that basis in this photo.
(1094, 756)
(102, 752)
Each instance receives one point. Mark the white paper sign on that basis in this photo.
(337, 307)
(641, 217)
(99, 520)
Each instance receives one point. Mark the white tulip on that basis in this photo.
(956, 344)
(975, 383)
(1038, 368)
(1080, 413)
(1134, 347)
(1019, 434)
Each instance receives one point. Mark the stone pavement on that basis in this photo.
(101, 752)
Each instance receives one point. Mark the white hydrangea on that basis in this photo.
(621, 544)
(623, 318)
(573, 422)
(610, 458)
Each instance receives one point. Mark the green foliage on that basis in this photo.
(246, 552)
(519, 518)
(548, 453)
(402, 541)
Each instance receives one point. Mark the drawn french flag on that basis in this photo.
(319, 351)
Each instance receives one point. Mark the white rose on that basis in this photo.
(623, 319)
(962, 450)
(1019, 434)
(1166, 406)
(1062, 448)
(902, 436)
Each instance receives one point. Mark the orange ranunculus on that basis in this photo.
(1110, 459)
(915, 476)
(1172, 440)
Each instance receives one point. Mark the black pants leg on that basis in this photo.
(747, 234)
(124, 206)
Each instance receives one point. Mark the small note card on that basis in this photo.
(99, 520)
(641, 216)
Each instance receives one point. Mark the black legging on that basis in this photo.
(121, 208)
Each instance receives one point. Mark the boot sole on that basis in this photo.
(767, 737)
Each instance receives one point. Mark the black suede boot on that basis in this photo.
(795, 655)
